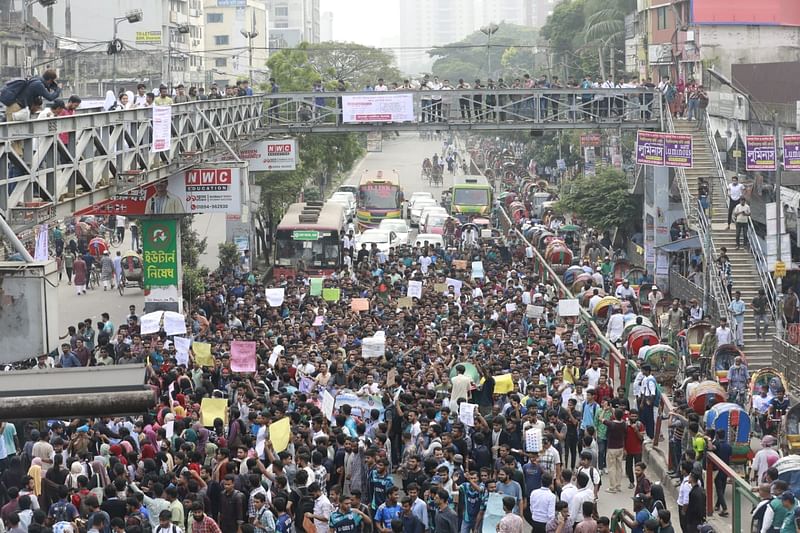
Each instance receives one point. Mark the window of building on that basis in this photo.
(661, 14)
(282, 11)
(280, 25)
(213, 17)
(220, 62)
(220, 40)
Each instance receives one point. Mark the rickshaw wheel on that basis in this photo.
(121, 286)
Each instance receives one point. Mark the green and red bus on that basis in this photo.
(379, 197)
(309, 237)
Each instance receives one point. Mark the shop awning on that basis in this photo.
(681, 245)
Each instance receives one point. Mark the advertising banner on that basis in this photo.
(791, 152)
(160, 252)
(162, 128)
(378, 107)
(649, 148)
(214, 188)
(591, 139)
(148, 37)
(677, 150)
(589, 161)
(268, 156)
(760, 153)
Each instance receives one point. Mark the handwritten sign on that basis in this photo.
(359, 304)
(414, 289)
(243, 356)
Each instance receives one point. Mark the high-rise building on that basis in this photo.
(293, 22)
(537, 11)
(159, 32)
(510, 11)
(428, 23)
(326, 26)
(236, 37)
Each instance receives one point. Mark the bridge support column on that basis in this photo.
(657, 220)
(162, 273)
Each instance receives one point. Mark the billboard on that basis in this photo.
(378, 107)
(660, 149)
(746, 12)
(760, 153)
(148, 37)
(271, 155)
(212, 188)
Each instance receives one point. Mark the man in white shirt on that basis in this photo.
(616, 325)
(593, 373)
(735, 192)
(569, 489)
(380, 86)
(585, 494)
(595, 299)
(624, 291)
(543, 504)
(724, 333)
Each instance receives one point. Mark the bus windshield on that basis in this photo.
(379, 196)
(323, 252)
(470, 196)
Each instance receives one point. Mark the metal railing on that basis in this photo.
(767, 283)
(617, 363)
(464, 109)
(697, 216)
(741, 492)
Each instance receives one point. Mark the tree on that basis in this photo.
(297, 69)
(469, 58)
(228, 255)
(601, 201)
(192, 247)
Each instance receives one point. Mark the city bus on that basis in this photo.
(379, 197)
(308, 238)
(471, 197)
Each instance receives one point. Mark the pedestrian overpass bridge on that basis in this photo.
(51, 168)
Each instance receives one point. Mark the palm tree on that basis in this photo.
(606, 28)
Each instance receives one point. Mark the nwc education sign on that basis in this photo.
(268, 156)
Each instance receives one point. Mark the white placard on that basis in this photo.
(533, 440)
(477, 269)
(150, 323)
(466, 413)
(378, 107)
(182, 346)
(275, 296)
(174, 323)
(372, 347)
(328, 402)
(569, 307)
(511, 307)
(456, 283)
(162, 128)
(268, 156)
(414, 289)
(273, 357)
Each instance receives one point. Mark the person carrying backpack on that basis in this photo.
(62, 510)
(17, 94)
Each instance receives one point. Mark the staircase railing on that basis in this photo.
(699, 220)
(767, 283)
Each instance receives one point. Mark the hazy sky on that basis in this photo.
(357, 20)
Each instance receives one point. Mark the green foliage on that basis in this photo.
(194, 282)
(511, 55)
(601, 201)
(579, 29)
(192, 246)
(228, 256)
(297, 69)
(544, 149)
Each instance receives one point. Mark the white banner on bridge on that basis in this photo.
(162, 128)
(378, 107)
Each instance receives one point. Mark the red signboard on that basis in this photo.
(746, 12)
(591, 140)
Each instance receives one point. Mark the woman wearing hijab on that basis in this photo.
(99, 475)
(116, 451)
(75, 471)
(57, 474)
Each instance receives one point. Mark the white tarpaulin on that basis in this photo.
(174, 323)
(374, 346)
(275, 296)
(268, 156)
(162, 128)
(378, 107)
(150, 323)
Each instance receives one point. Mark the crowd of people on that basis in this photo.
(398, 451)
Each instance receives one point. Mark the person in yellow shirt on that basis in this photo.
(163, 97)
(571, 373)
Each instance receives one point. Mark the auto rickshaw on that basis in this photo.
(636, 275)
(790, 431)
(789, 471)
(621, 268)
(705, 394)
(736, 422)
(663, 359)
(587, 295)
(517, 211)
(772, 378)
(97, 246)
(558, 256)
(132, 266)
(644, 301)
(580, 281)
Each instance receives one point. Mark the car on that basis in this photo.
(417, 195)
(416, 209)
(352, 189)
(433, 222)
(397, 225)
(431, 238)
(429, 209)
(346, 199)
(382, 238)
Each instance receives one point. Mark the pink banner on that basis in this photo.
(243, 356)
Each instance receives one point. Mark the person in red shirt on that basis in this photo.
(634, 435)
(603, 391)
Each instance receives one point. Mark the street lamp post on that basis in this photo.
(132, 17)
(250, 35)
(488, 31)
(181, 29)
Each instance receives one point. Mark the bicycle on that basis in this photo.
(93, 280)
